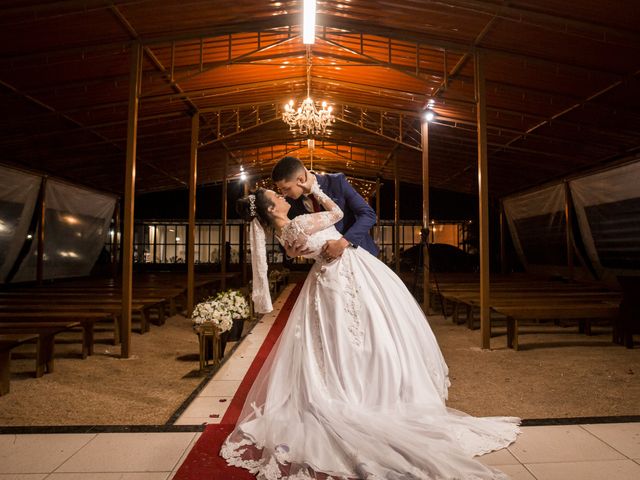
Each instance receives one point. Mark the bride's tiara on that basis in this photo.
(252, 205)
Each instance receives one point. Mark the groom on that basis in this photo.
(295, 181)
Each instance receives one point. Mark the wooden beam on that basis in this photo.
(223, 233)
(569, 228)
(483, 200)
(245, 236)
(425, 215)
(41, 230)
(193, 182)
(503, 240)
(115, 241)
(378, 235)
(129, 200)
(396, 214)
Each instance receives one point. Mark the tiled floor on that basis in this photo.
(559, 452)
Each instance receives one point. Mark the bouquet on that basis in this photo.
(213, 312)
(235, 303)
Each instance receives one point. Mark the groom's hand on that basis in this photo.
(334, 249)
(296, 249)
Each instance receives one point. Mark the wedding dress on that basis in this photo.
(355, 387)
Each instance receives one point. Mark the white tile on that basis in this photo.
(501, 457)
(560, 443)
(599, 470)
(258, 337)
(23, 476)
(249, 346)
(110, 476)
(186, 452)
(232, 370)
(261, 328)
(205, 407)
(516, 472)
(196, 421)
(220, 388)
(624, 437)
(38, 453)
(130, 452)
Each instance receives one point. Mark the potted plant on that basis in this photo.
(212, 317)
(237, 306)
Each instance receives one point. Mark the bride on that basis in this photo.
(355, 386)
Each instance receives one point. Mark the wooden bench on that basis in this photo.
(30, 322)
(582, 312)
(531, 300)
(13, 334)
(9, 341)
(77, 306)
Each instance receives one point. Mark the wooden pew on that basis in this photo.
(13, 334)
(535, 299)
(30, 322)
(8, 341)
(585, 311)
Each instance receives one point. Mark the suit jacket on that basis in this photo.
(358, 218)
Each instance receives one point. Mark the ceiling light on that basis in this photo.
(429, 116)
(309, 22)
(307, 119)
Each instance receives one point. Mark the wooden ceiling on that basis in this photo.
(562, 80)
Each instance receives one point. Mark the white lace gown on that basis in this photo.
(356, 385)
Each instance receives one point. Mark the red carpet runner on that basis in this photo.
(203, 461)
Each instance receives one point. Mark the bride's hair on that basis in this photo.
(259, 210)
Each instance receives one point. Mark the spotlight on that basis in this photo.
(429, 116)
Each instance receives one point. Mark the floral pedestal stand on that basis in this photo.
(208, 333)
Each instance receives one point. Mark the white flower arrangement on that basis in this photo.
(235, 303)
(221, 310)
(213, 312)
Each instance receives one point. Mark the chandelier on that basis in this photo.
(307, 119)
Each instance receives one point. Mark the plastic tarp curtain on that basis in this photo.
(76, 229)
(18, 196)
(607, 205)
(538, 226)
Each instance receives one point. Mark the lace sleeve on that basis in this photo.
(321, 220)
(299, 229)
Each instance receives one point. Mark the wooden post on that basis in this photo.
(245, 234)
(115, 244)
(503, 240)
(569, 227)
(193, 178)
(425, 214)
(378, 226)
(483, 195)
(223, 233)
(129, 199)
(43, 206)
(396, 214)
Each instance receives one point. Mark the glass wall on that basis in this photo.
(165, 242)
(451, 233)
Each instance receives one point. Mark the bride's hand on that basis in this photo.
(307, 184)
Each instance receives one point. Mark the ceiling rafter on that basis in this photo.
(65, 117)
(155, 61)
(571, 108)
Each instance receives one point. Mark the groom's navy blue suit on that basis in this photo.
(358, 218)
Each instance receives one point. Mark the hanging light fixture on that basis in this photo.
(307, 119)
(309, 22)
